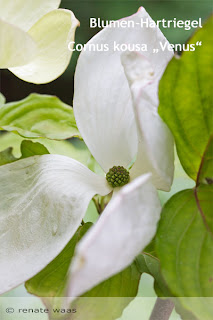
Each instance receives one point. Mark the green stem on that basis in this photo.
(101, 202)
(97, 205)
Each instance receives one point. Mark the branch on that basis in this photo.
(162, 309)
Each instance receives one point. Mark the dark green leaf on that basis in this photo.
(151, 265)
(29, 149)
(39, 116)
(185, 94)
(205, 174)
(184, 245)
(150, 248)
(7, 156)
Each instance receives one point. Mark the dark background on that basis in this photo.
(15, 89)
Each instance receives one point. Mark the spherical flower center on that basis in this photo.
(117, 176)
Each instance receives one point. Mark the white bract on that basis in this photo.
(34, 38)
(44, 198)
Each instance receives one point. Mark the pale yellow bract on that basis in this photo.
(34, 37)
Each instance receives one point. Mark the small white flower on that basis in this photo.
(34, 37)
(44, 198)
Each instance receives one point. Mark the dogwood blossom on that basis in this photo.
(127, 122)
(44, 198)
(34, 37)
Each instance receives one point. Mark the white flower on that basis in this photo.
(34, 37)
(44, 198)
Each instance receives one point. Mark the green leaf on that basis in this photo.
(2, 100)
(181, 181)
(151, 265)
(113, 294)
(185, 94)
(51, 281)
(39, 116)
(108, 300)
(6, 156)
(205, 174)
(12, 140)
(29, 149)
(184, 245)
(123, 284)
(75, 148)
(184, 240)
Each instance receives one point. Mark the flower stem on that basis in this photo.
(101, 202)
(162, 309)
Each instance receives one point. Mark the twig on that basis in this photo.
(162, 309)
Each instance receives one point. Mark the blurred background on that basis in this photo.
(15, 89)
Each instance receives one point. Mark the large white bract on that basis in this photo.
(34, 38)
(45, 197)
